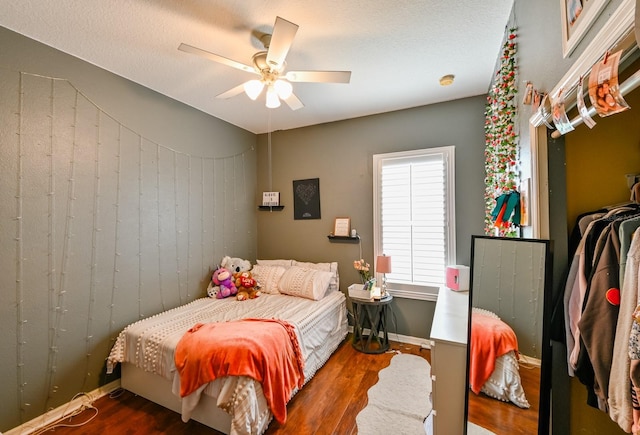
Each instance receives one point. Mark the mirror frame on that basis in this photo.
(545, 359)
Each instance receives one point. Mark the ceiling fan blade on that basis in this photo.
(281, 40)
(319, 76)
(216, 58)
(232, 92)
(294, 102)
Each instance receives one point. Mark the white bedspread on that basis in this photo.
(149, 344)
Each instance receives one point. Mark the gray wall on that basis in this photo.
(340, 155)
(110, 212)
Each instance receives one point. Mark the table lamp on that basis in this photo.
(383, 266)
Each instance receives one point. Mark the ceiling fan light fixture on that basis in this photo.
(253, 88)
(273, 101)
(283, 88)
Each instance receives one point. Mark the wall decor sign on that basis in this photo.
(270, 198)
(306, 199)
(577, 18)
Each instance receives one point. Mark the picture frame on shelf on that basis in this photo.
(270, 198)
(342, 227)
(577, 18)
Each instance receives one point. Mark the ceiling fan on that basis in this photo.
(269, 66)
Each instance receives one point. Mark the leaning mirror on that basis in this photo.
(508, 377)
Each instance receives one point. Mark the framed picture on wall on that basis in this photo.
(306, 199)
(577, 18)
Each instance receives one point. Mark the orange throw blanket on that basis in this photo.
(490, 339)
(266, 350)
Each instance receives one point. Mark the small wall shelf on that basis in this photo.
(350, 239)
(271, 207)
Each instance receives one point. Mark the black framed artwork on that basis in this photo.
(306, 199)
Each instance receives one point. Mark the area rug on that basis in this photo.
(399, 401)
(474, 429)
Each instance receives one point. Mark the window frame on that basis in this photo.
(429, 293)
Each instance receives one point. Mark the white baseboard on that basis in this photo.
(63, 410)
(408, 339)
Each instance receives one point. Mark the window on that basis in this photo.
(414, 219)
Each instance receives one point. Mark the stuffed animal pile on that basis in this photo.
(246, 285)
(235, 265)
(233, 278)
(223, 284)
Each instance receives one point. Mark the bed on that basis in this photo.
(304, 295)
(493, 361)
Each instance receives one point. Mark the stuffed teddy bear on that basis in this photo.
(223, 281)
(235, 265)
(246, 285)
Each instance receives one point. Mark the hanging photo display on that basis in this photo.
(528, 94)
(582, 108)
(604, 91)
(545, 110)
(537, 98)
(559, 115)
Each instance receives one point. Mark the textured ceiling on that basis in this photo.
(397, 50)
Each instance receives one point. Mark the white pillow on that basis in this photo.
(334, 284)
(268, 277)
(283, 263)
(305, 283)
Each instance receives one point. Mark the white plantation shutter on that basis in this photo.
(413, 202)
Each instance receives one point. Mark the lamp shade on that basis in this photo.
(253, 88)
(383, 264)
(284, 89)
(272, 98)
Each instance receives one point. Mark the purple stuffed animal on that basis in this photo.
(223, 279)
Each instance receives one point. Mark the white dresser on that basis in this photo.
(449, 362)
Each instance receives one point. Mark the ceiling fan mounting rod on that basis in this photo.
(269, 75)
(266, 40)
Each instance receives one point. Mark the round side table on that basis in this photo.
(371, 314)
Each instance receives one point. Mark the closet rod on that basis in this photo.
(626, 87)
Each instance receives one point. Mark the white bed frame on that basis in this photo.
(158, 390)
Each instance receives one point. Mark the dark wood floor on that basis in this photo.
(328, 404)
(505, 417)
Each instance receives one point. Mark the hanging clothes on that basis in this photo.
(620, 405)
(600, 295)
(600, 316)
(577, 285)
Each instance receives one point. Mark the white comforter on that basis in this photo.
(149, 344)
